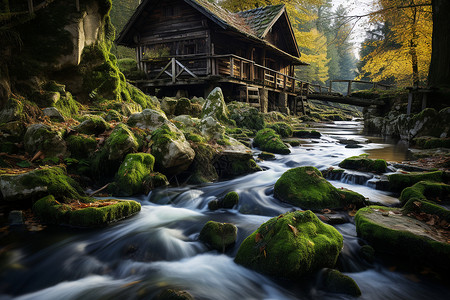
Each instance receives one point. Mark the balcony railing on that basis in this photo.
(230, 66)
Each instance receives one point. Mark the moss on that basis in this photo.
(230, 200)
(282, 128)
(183, 107)
(421, 206)
(120, 142)
(202, 168)
(161, 137)
(305, 187)
(113, 115)
(391, 232)
(306, 134)
(268, 140)
(432, 191)
(132, 174)
(248, 117)
(266, 156)
(364, 164)
(336, 282)
(92, 124)
(400, 181)
(293, 143)
(290, 246)
(100, 214)
(67, 106)
(368, 253)
(218, 236)
(41, 182)
(49, 140)
(154, 180)
(196, 138)
(431, 142)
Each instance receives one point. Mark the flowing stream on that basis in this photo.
(157, 249)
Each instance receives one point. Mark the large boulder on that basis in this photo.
(400, 181)
(171, 150)
(202, 169)
(426, 190)
(120, 142)
(410, 235)
(215, 106)
(168, 105)
(247, 117)
(211, 129)
(38, 183)
(291, 245)
(81, 145)
(148, 119)
(219, 236)
(267, 140)
(92, 214)
(364, 164)
(335, 282)
(306, 188)
(40, 137)
(92, 125)
(135, 175)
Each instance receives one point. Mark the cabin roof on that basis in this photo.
(253, 23)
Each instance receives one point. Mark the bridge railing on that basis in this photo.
(351, 82)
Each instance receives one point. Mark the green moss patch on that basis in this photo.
(92, 124)
(290, 246)
(281, 128)
(390, 231)
(364, 164)
(268, 140)
(38, 183)
(93, 214)
(81, 145)
(218, 236)
(132, 173)
(432, 191)
(431, 142)
(400, 181)
(336, 282)
(306, 134)
(305, 187)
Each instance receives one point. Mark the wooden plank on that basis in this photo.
(231, 66)
(174, 67)
(349, 88)
(410, 98)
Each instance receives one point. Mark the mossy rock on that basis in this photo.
(168, 105)
(305, 187)
(94, 214)
(291, 245)
(400, 181)
(120, 142)
(148, 119)
(153, 181)
(12, 131)
(426, 190)
(268, 140)
(81, 145)
(132, 173)
(202, 168)
(230, 200)
(364, 164)
(282, 128)
(113, 115)
(266, 156)
(368, 253)
(219, 236)
(171, 294)
(234, 163)
(392, 232)
(172, 152)
(335, 282)
(92, 125)
(40, 137)
(216, 107)
(38, 183)
(431, 142)
(183, 107)
(211, 129)
(306, 134)
(248, 117)
(429, 208)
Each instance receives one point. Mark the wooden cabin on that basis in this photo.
(194, 46)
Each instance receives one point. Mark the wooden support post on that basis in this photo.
(242, 70)
(231, 66)
(331, 86)
(349, 88)
(174, 70)
(30, 7)
(252, 71)
(77, 4)
(284, 82)
(410, 98)
(424, 100)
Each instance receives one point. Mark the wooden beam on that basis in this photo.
(30, 7)
(77, 4)
(174, 70)
(349, 88)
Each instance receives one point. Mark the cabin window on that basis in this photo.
(190, 49)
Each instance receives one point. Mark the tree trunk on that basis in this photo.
(439, 73)
(413, 51)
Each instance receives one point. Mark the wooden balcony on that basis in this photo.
(192, 69)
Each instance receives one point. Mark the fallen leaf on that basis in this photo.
(294, 229)
(258, 237)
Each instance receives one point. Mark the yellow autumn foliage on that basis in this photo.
(410, 36)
